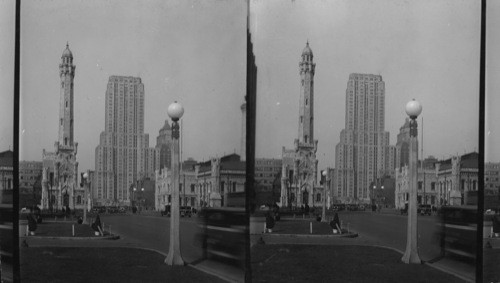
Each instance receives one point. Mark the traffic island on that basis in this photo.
(69, 264)
(320, 263)
(65, 230)
(307, 229)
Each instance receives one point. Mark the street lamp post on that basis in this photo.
(413, 109)
(174, 257)
(325, 181)
(85, 182)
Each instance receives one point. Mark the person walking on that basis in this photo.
(335, 224)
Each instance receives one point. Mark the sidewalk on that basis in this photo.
(93, 264)
(464, 272)
(338, 263)
(85, 251)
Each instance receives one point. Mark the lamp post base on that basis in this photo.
(174, 259)
(411, 257)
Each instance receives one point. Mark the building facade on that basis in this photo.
(363, 154)
(123, 155)
(299, 186)
(205, 184)
(217, 178)
(427, 192)
(60, 167)
(30, 183)
(187, 189)
(492, 175)
(164, 145)
(456, 177)
(6, 177)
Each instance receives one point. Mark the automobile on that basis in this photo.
(424, 209)
(404, 210)
(457, 230)
(185, 211)
(362, 207)
(223, 234)
(166, 211)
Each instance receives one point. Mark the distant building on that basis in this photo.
(403, 145)
(187, 188)
(363, 153)
(267, 178)
(266, 171)
(426, 186)
(6, 177)
(492, 175)
(243, 142)
(218, 177)
(123, 155)
(30, 182)
(60, 167)
(299, 184)
(456, 177)
(164, 145)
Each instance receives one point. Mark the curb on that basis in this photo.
(113, 237)
(209, 271)
(348, 235)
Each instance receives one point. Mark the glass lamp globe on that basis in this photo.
(413, 108)
(85, 175)
(175, 111)
(323, 173)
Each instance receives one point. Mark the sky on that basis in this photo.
(7, 24)
(427, 50)
(492, 127)
(193, 52)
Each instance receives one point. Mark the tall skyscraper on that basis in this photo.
(243, 142)
(299, 165)
(123, 155)
(164, 145)
(60, 168)
(403, 145)
(363, 154)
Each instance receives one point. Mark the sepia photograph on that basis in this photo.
(367, 126)
(131, 126)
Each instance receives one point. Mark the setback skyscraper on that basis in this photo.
(363, 155)
(123, 156)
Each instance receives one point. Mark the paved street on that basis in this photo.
(389, 230)
(153, 232)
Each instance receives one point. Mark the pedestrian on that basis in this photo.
(335, 224)
(32, 226)
(269, 223)
(97, 226)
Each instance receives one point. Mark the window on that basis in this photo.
(420, 185)
(66, 103)
(318, 197)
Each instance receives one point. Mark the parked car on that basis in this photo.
(424, 209)
(222, 234)
(405, 209)
(185, 211)
(166, 211)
